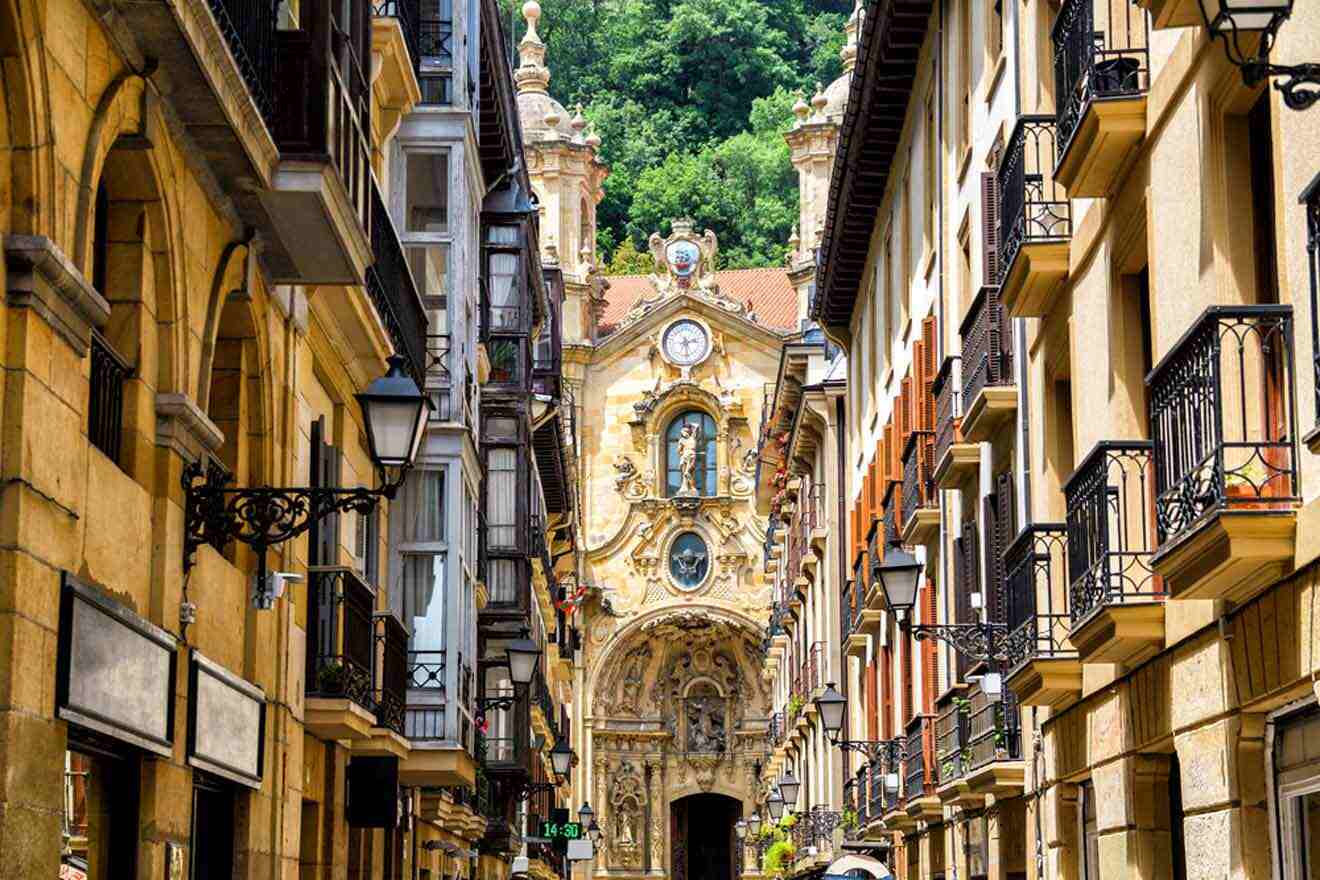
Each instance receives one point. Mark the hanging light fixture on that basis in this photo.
(1248, 29)
(899, 574)
(561, 761)
(774, 805)
(831, 705)
(788, 787)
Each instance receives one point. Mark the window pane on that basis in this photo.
(502, 498)
(505, 294)
(506, 361)
(430, 269)
(701, 439)
(423, 576)
(428, 192)
(503, 577)
(423, 507)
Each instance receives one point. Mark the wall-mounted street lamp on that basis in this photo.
(561, 759)
(788, 787)
(774, 805)
(522, 654)
(1248, 29)
(899, 574)
(394, 411)
(832, 707)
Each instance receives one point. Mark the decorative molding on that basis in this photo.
(41, 277)
(183, 427)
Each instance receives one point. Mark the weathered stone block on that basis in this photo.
(1207, 761)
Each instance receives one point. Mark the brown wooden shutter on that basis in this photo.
(929, 655)
(1000, 528)
(906, 675)
(930, 368)
(990, 227)
(887, 692)
(904, 415)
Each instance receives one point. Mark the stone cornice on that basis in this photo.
(41, 277)
(182, 426)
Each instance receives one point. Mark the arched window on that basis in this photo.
(690, 461)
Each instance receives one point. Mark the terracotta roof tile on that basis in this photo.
(772, 297)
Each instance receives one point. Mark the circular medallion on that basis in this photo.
(686, 342)
(689, 561)
(683, 257)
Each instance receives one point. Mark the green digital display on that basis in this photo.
(561, 830)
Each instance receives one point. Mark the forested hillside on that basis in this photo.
(691, 98)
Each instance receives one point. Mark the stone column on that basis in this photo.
(1059, 805)
(1226, 819)
(1132, 817)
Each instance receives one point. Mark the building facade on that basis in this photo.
(1069, 254)
(220, 221)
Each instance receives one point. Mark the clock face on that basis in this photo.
(686, 343)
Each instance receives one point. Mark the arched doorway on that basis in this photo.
(704, 845)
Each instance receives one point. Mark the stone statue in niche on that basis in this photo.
(705, 719)
(624, 834)
(689, 440)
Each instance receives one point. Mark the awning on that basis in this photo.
(854, 865)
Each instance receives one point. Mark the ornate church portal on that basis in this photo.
(674, 719)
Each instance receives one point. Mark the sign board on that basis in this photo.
(580, 850)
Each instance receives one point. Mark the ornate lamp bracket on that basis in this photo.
(525, 790)
(980, 641)
(264, 517)
(1300, 90)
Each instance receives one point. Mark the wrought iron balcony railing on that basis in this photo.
(918, 475)
(876, 804)
(249, 30)
(323, 103)
(391, 672)
(1038, 619)
(1100, 52)
(340, 655)
(407, 13)
(919, 751)
(440, 376)
(1033, 207)
(992, 730)
(853, 600)
(393, 293)
(893, 500)
(1221, 412)
(947, 405)
(951, 741)
(1110, 533)
(987, 338)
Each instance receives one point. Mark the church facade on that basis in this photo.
(667, 372)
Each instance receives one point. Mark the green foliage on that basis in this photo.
(669, 86)
(779, 857)
(627, 260)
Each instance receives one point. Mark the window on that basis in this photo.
(1089, 854)
(428, 191)
(932, 167)
(105, 404)
(423, 554)
(978, 847)
(1296, 775)
(965, 77)
(502, 498)
(435, 64)
(689, 560)
(994, 38)
(690, 459)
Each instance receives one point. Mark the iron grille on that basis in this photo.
(391, 672)
(1221, 412)
(393, 293)
(1100, 52)
(340, 648)
(1033, 206)
(105, 405)
(987, 338)
(1038, 617)
(918, 475)
(992, 729)
(947, 410)
(1110, 533)
(248, 27)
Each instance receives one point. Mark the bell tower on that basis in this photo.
(567, 177)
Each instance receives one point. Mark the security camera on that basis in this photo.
(265, 594)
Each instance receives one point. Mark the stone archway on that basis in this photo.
(704, 846)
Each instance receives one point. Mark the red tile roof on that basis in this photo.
(772, 297)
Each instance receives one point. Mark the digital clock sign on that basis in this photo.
(561, 830)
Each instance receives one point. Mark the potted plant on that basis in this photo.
(848, 819)
(1251, 485)
(779, 857)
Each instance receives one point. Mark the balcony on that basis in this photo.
(921, 500)
(1225, 453)
(438, 721)
(989, 392)
(1102, 70)
(891, 517)
(851, 612)
(956, 460)
(392, 291)
(449, 383)
(855, 807)
(920, 775)
(951, 752)
(1035, 220)
(994, 745)
(1115, 600)
(321, 200)
(808, 681)
(1043, 668)
(389, 689)
(340, 654)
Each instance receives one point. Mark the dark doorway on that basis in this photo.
(703, 837)
(212, 829)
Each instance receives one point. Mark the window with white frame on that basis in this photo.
(422, 553)
(1296, 751)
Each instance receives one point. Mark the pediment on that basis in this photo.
(738, 326)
